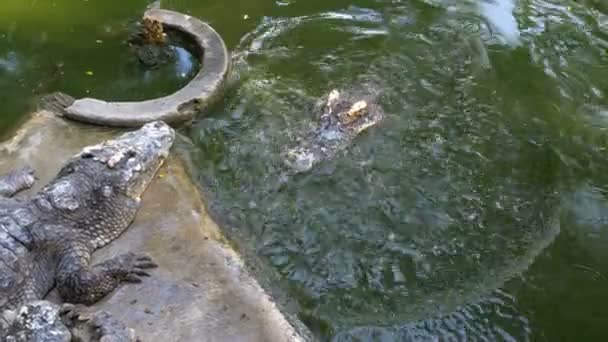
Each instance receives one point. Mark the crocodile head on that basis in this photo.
(352, 115)
(128, 163)
(100, 188)
(343, 117)
(111, 175)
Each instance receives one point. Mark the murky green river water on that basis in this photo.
(477, 210)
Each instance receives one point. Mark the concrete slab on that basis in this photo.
(201, 291)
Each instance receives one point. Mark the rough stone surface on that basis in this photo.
(44, 321)
(38, 321)
(201, 291)
(178, 107)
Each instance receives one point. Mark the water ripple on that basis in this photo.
(409, 233)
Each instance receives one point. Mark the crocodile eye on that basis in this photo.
(133, 165)
(69, 169)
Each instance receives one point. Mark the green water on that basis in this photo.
(476, 210)
(78, 47)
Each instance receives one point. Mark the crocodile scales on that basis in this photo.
(47, 241)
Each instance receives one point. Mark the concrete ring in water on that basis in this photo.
(178, 107)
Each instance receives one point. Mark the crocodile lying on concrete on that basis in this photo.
(47, 241)
(341, 121)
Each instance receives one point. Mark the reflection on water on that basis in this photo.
(9, 63)
(499, 14)
(185, 64)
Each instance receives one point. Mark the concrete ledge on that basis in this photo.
(178, 107)
(201, 290)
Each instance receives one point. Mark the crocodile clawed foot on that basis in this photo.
(98, 326)
(16, 181)
(71, 314)
(23, 178)
(133, 266)
(105, 328)
(26, 176)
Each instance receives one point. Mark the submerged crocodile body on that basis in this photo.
(342, 119)
(47, 240)
(149, 43)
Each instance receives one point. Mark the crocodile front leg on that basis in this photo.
(77, 282)
(16, 181)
